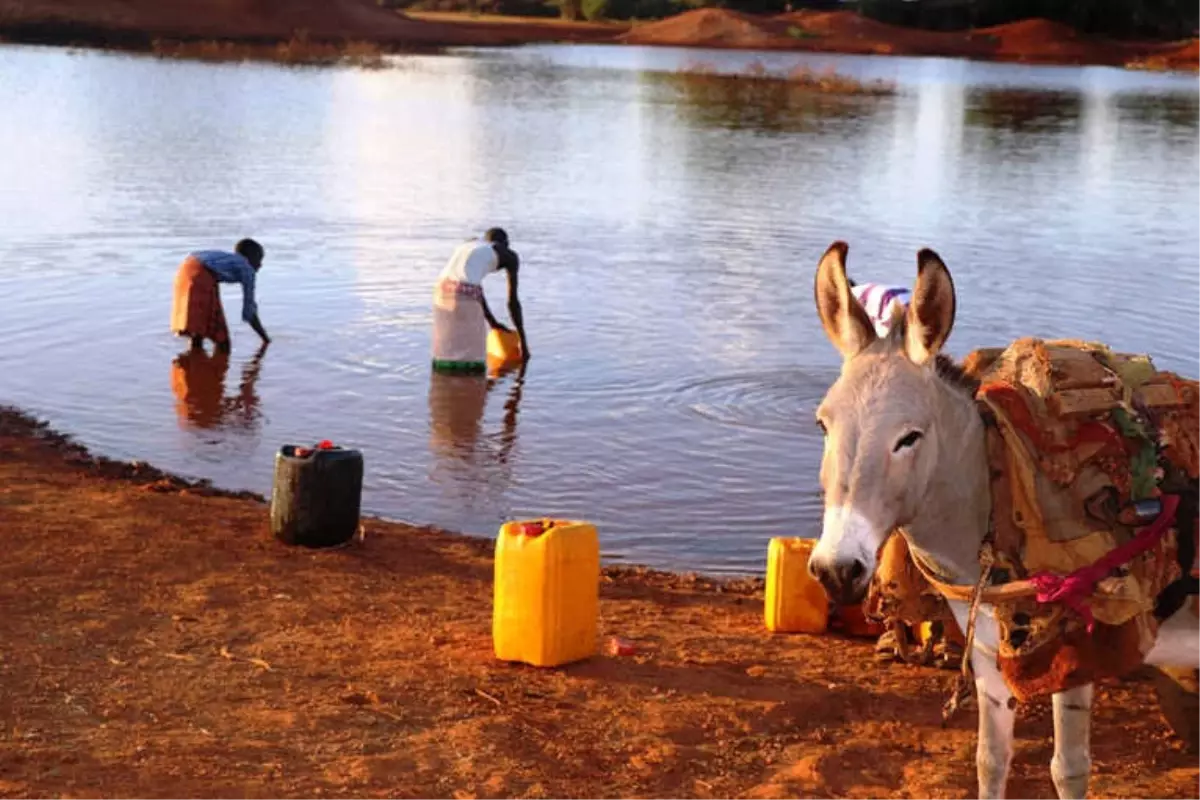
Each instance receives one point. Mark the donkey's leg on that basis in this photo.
(994, 751)
(1072, 763)
(993, 754)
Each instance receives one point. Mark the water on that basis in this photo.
(669, 232)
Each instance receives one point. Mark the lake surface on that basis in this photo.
(669, 229)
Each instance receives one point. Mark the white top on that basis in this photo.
(471, 262)
(881, 302)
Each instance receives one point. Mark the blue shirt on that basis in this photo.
(232, 268)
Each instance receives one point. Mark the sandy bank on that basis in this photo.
(160, 643)
(1033, 40)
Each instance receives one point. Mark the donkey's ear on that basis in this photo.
(846, 323)
(931, 311)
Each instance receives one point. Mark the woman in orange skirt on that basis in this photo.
(197, 312)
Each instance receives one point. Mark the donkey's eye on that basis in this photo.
(910, 438)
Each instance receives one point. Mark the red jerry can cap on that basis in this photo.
(535, 528)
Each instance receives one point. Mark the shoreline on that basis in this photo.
(164, 644)
(348, 25)
(19, 424)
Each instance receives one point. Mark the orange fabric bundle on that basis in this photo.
(1075, 434)
(1078, 433)
(196, 309)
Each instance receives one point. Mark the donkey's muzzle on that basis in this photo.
(845, 582)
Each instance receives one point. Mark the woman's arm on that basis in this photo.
(487, 314)
(514, 303)
(250, 305)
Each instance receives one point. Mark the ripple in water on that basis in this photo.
(776, 401)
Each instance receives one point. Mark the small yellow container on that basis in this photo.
(546, 594)
(796, 602)
(503, 347)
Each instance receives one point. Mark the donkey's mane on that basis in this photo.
(952, 373)
(946, 368)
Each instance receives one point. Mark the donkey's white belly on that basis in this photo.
(1178, 642)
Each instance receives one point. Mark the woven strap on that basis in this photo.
(1047, 587)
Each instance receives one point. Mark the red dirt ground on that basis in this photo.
(711, 27)
(1189, 51)
(1034, 40)
(159, 643)
(1185, 56)
(1046, 41)
(843, 31)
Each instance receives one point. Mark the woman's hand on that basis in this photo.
(256, 324)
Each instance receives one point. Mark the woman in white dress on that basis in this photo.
(461, 317)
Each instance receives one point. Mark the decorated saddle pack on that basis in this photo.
(1083, 444)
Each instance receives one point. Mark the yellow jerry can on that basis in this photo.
(546, 593)
(796, 602)
(503, 347)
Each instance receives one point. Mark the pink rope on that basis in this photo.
(1074, 590)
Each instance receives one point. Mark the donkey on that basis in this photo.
(905, 448)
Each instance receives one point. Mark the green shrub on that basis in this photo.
(594, 9)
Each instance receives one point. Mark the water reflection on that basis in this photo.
(736, 103)
(198, 383)
(1179, 116)
(457, 405)
(1023, 110)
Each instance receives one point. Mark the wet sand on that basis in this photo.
(159, 643)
